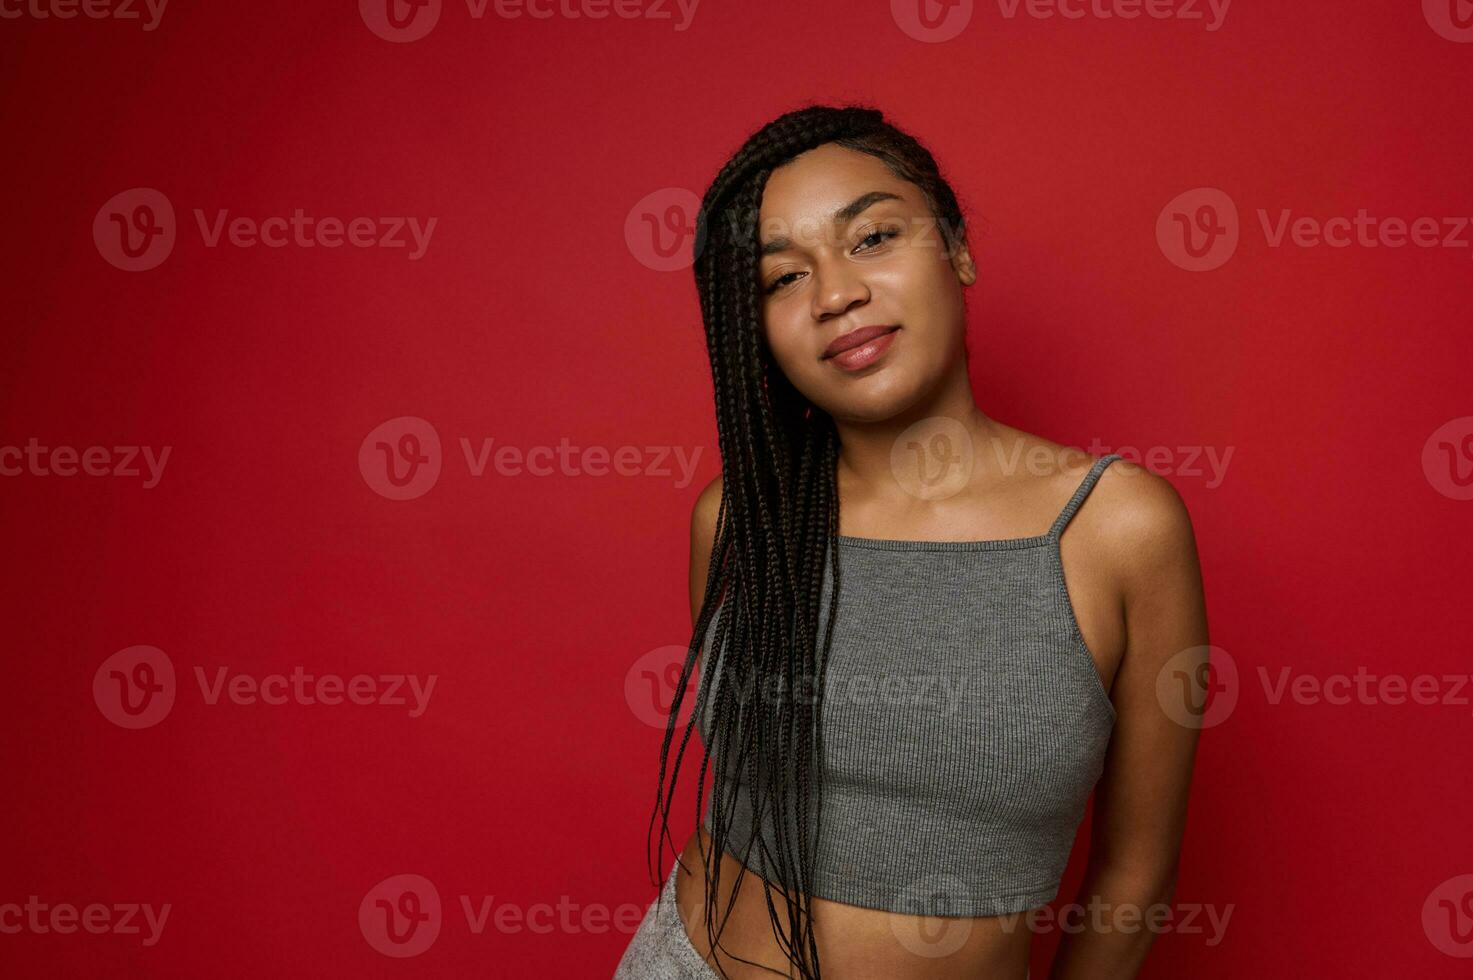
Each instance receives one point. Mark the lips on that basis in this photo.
(857, 338)
(859, 349)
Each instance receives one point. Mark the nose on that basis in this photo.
(838, 287)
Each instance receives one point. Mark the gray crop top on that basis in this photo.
(964, 726)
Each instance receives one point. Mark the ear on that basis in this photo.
(961, 261)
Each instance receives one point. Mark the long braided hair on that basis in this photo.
(775, 528)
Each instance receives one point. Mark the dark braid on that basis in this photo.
(776, 525)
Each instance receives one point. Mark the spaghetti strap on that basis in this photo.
(1085, 487)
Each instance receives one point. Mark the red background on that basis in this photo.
(529, 319)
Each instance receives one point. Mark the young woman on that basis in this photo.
(912, 675)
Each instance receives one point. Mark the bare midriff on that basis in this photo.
(854, 943)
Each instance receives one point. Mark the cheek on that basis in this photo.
(793, 356)
(930, 303)
(924, 285)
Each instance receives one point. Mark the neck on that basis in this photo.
(865, 447)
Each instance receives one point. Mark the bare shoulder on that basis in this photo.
(1139, 520)
(1134, 518)
(704, 514)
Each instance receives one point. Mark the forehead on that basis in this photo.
(813, 185)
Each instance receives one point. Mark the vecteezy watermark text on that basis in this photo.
(933, 458)
(136, 230)
(97, 918)
(932, 22)
(651, 681)
(147, 12)
(300, 687)
(403, 21)
(1200, 687)
(1365, 687)
(307, 231)
(1199, 230)
(136, 688)
(1211, 12)
(401, 459)
(939, 690)
(36, 459)
(566, 459)
(1098, 915)
(936, 922)
(403, 915)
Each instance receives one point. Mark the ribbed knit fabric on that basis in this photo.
(965, 725)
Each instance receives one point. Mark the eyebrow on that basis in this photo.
(848, 212)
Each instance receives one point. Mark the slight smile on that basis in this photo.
(860, 348)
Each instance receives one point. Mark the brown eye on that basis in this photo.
(882, 234)
(779, 282)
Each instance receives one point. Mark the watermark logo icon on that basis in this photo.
(1451, 19)
(933, 458)
(1447, 916)
(1198, 230)
(649, 686)
(400, 21)
(401, 915)
(1198, 687)
(135, 230)
(661, 230)
(931, 21)
(400, 459)
(135, 688)
(1447, 458)
(935, 920)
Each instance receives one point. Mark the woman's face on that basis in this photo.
(861, 304)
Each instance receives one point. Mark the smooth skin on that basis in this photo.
(1129, 557)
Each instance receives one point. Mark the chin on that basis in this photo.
(874, 399)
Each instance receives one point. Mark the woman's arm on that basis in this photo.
(1141, 801)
